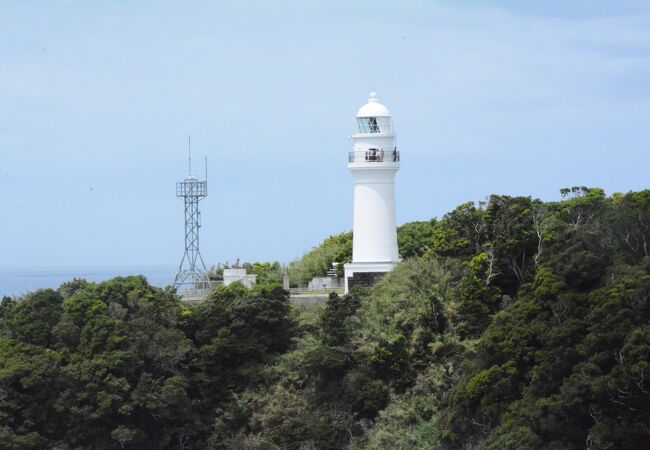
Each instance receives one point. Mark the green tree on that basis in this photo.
(335, 249)
(416, 238)
(478, 301)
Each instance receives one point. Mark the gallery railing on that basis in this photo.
(374, 156)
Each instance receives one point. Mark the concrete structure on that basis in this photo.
(323, 283)
(232, 275)
(330, 281)
(373, 162)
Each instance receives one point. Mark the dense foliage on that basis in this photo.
(511, 324)
(121, 364)
(316, 263)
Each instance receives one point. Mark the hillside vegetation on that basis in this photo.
(414, 239)
(513, 324)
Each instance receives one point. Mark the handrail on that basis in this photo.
(374, 156)
(192, 188)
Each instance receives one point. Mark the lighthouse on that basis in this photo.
(374, 161)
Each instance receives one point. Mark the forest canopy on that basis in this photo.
(509, 324)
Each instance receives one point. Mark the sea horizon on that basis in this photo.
(18, 281)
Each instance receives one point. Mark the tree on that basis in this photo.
(335, 249)
(510, 324)
(478, 301)
(461, 232)
(123, 435)
(32, 318)
(513, 239)
(416, 238)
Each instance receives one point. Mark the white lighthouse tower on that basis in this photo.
(373, 162)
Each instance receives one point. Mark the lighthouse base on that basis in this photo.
(358, 274)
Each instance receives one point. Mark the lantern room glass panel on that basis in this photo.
(372, 125)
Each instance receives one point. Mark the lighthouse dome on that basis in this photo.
(373, 108)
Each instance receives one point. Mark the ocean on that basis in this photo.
(16, 282)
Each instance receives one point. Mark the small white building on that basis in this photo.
(232, 275)
(373, 162)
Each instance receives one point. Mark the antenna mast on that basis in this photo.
(192, 279)
(189, 154)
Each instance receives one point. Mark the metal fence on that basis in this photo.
(307, 291)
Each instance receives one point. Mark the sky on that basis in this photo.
(97, 100)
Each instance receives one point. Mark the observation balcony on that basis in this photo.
(192, 188)
(374, 156)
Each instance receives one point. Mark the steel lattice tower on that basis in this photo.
(192, 277)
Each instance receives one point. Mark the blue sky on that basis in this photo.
(97, 100)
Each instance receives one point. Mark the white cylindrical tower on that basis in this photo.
(373, 162)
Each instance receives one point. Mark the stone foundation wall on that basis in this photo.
(364, 279)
